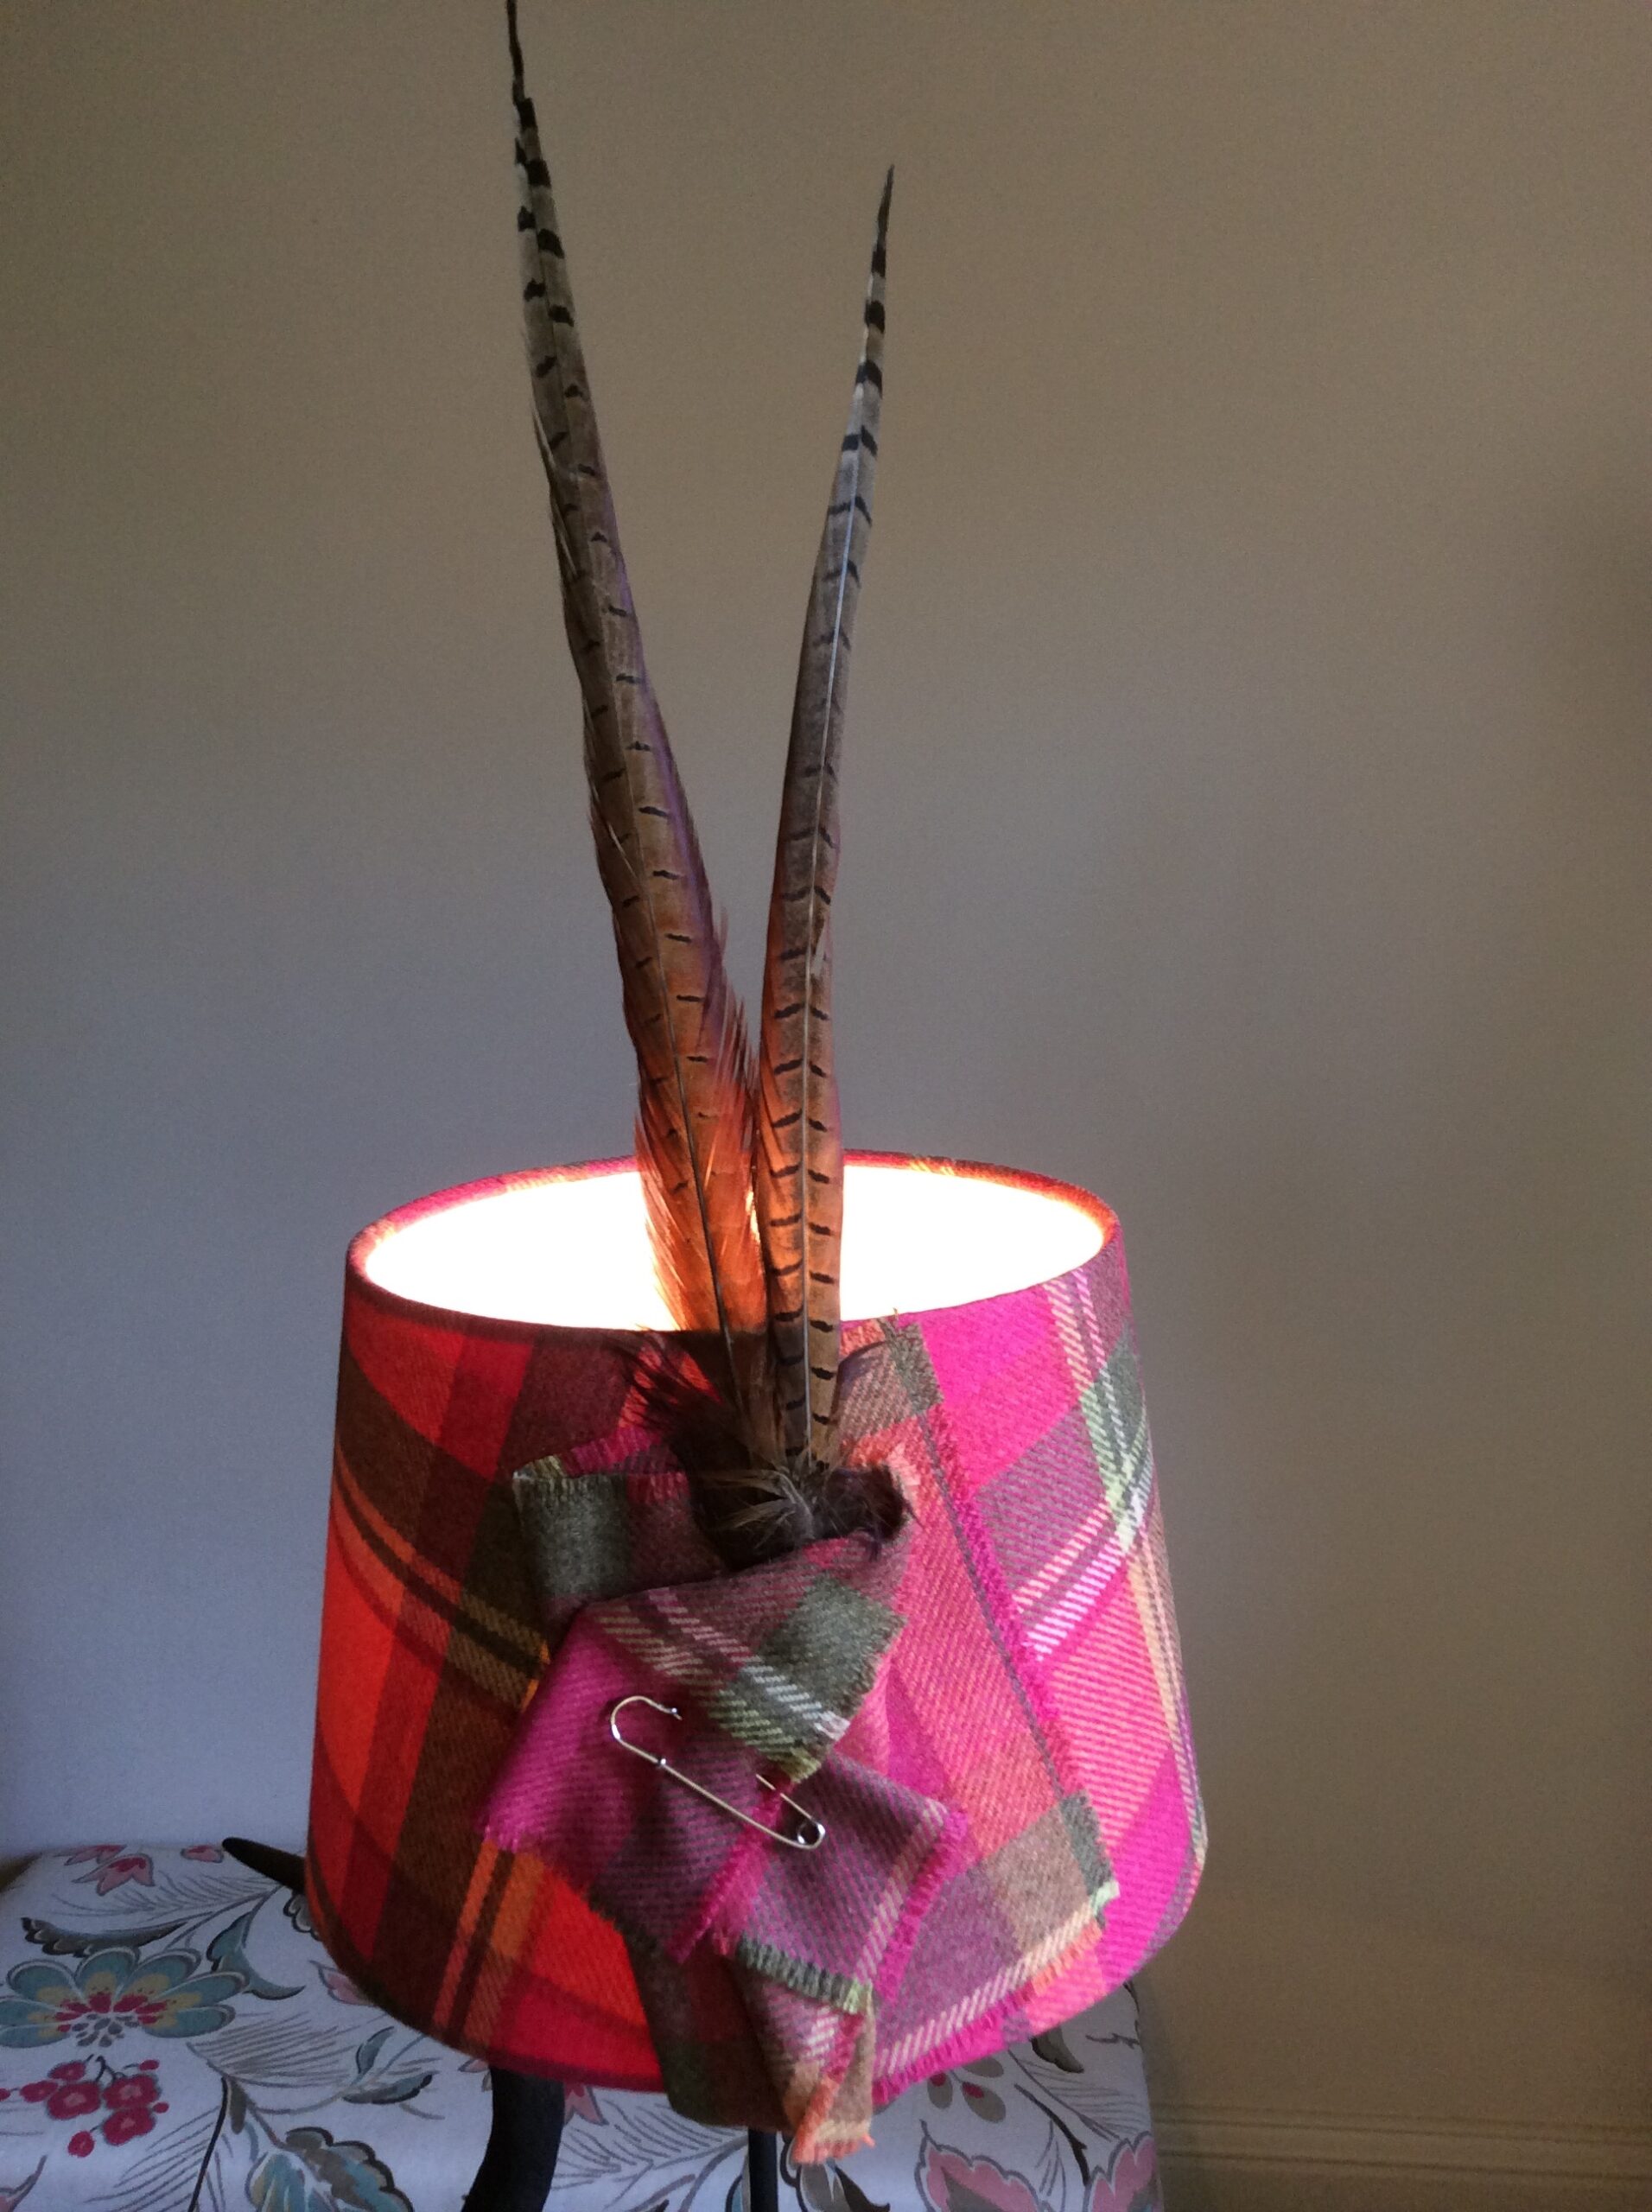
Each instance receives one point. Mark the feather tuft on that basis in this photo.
(750, 1505)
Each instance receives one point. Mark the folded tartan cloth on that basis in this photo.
(963, 1864)
(760, 1965)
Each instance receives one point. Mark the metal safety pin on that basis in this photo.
(813, 1832)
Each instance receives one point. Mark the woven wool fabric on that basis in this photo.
(761, 1671)
(1039, 1663)
(781, 1655)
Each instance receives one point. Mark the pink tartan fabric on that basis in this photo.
(672, 1869)
(1038, 1662)
(760, 1671)
(1025, 1477)
(802, 1946)
(1038, 1670)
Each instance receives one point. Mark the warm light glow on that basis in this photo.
(575, 1251)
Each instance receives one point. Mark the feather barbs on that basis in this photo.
(742, 1169)
(798, 1158)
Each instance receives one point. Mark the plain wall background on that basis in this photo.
(1246, 815)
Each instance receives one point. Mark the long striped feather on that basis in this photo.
(798, 1156)
(693, 1119)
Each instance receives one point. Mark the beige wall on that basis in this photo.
(1247, 814)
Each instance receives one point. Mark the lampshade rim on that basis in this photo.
(515, 1329)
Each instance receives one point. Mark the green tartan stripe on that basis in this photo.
(843, 1992)
(581, 1532)
(1115, 1416)
(577, 1533)
(1053, 1874)
(1089, 1851)
(794, 1698)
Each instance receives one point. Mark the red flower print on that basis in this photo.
(208, 1853)
(98, 1851)
(986, 2102)
(132, 1867)
(80, 2145)
(74, 2100)
(70, 2092)
(130, 2090)
(130, 2121)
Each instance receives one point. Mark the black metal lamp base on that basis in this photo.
(762, 2170)
(519, 2163)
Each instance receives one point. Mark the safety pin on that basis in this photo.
(814, 1831)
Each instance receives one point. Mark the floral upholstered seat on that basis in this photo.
(173, 2038)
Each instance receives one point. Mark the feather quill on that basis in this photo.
(797, 1154)
(694, 1124)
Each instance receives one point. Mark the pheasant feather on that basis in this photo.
(752, 1416)
(797, 1155)
(693, 1121)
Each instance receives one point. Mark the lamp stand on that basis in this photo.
(519, 2163)
(762, 2170)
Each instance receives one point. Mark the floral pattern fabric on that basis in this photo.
(174, 2038)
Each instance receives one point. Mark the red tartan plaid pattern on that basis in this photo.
(1039, 1665)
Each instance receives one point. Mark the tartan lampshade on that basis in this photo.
(1000, 1760)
